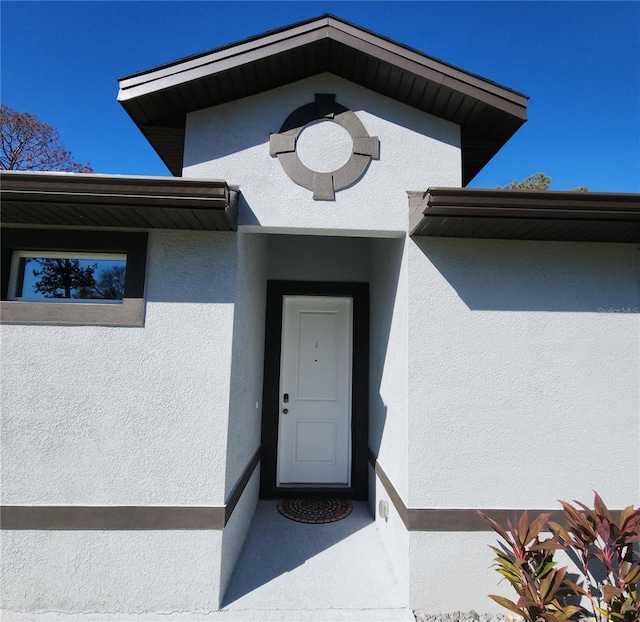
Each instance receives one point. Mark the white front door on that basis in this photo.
(314, 432)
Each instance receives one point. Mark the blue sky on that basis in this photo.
(579, 62)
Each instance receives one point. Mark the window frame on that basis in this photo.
(127, 312)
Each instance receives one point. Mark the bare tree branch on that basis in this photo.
(30, 145)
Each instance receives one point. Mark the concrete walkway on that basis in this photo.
(294, 571)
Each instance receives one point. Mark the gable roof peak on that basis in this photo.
(159, 99)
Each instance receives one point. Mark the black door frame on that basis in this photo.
(359, 293)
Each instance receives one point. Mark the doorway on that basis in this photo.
(315, 396)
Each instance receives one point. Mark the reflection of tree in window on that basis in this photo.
(110, 284)
(68, 278)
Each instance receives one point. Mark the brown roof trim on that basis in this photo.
(76, 199)
(158, 100)
(525, 215)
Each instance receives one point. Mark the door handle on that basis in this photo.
(285, 411)
(285, 398)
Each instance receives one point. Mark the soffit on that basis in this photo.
(30, 198)
(158, 100)
(526, 215)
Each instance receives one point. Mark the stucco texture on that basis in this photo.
(116, 571)
(523, 389)
(452, 572)
(500, 374)
(130, 416)
(247, 364)
(231, 141)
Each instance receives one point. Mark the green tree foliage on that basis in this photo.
(67, 278)
(28, 144)
(110, 284)
(539, 181)
(58, 277)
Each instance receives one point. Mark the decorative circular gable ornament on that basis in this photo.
(324, 185)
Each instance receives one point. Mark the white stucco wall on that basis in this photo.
(231, 141)
(127, 416)
(388, 394)
(492, 363)
(235, 533)
(523, 391)
(388, 389)
(441, 562)
(247, 365)
(393, 534)
(512, 362)
(121, 572)
(123, 416)
(245, 401)
(452, 571)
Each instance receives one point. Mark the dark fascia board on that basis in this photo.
(488, 113)
(525, 214)
(295, 36)
(87, 199)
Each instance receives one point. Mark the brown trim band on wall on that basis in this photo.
(395, 497)
(128, 313)
(236, 493)
(77, 517)
(454, 519)
(122, 518)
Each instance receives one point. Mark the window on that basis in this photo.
(73, 277)
(67, 277)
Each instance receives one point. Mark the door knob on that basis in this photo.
(285, 411)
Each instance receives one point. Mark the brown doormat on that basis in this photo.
(315, 511)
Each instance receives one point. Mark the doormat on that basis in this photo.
(315, 511)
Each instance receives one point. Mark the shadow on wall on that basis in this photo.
(386, 261)
(318, 258)
(246, 124)
(243, 437)
(246, 216)
(521, 275)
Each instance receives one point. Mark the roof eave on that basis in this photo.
(298, 35)
(158, 100)
(107, 201)
(526, 215)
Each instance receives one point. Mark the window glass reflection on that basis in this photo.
(59, 277)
